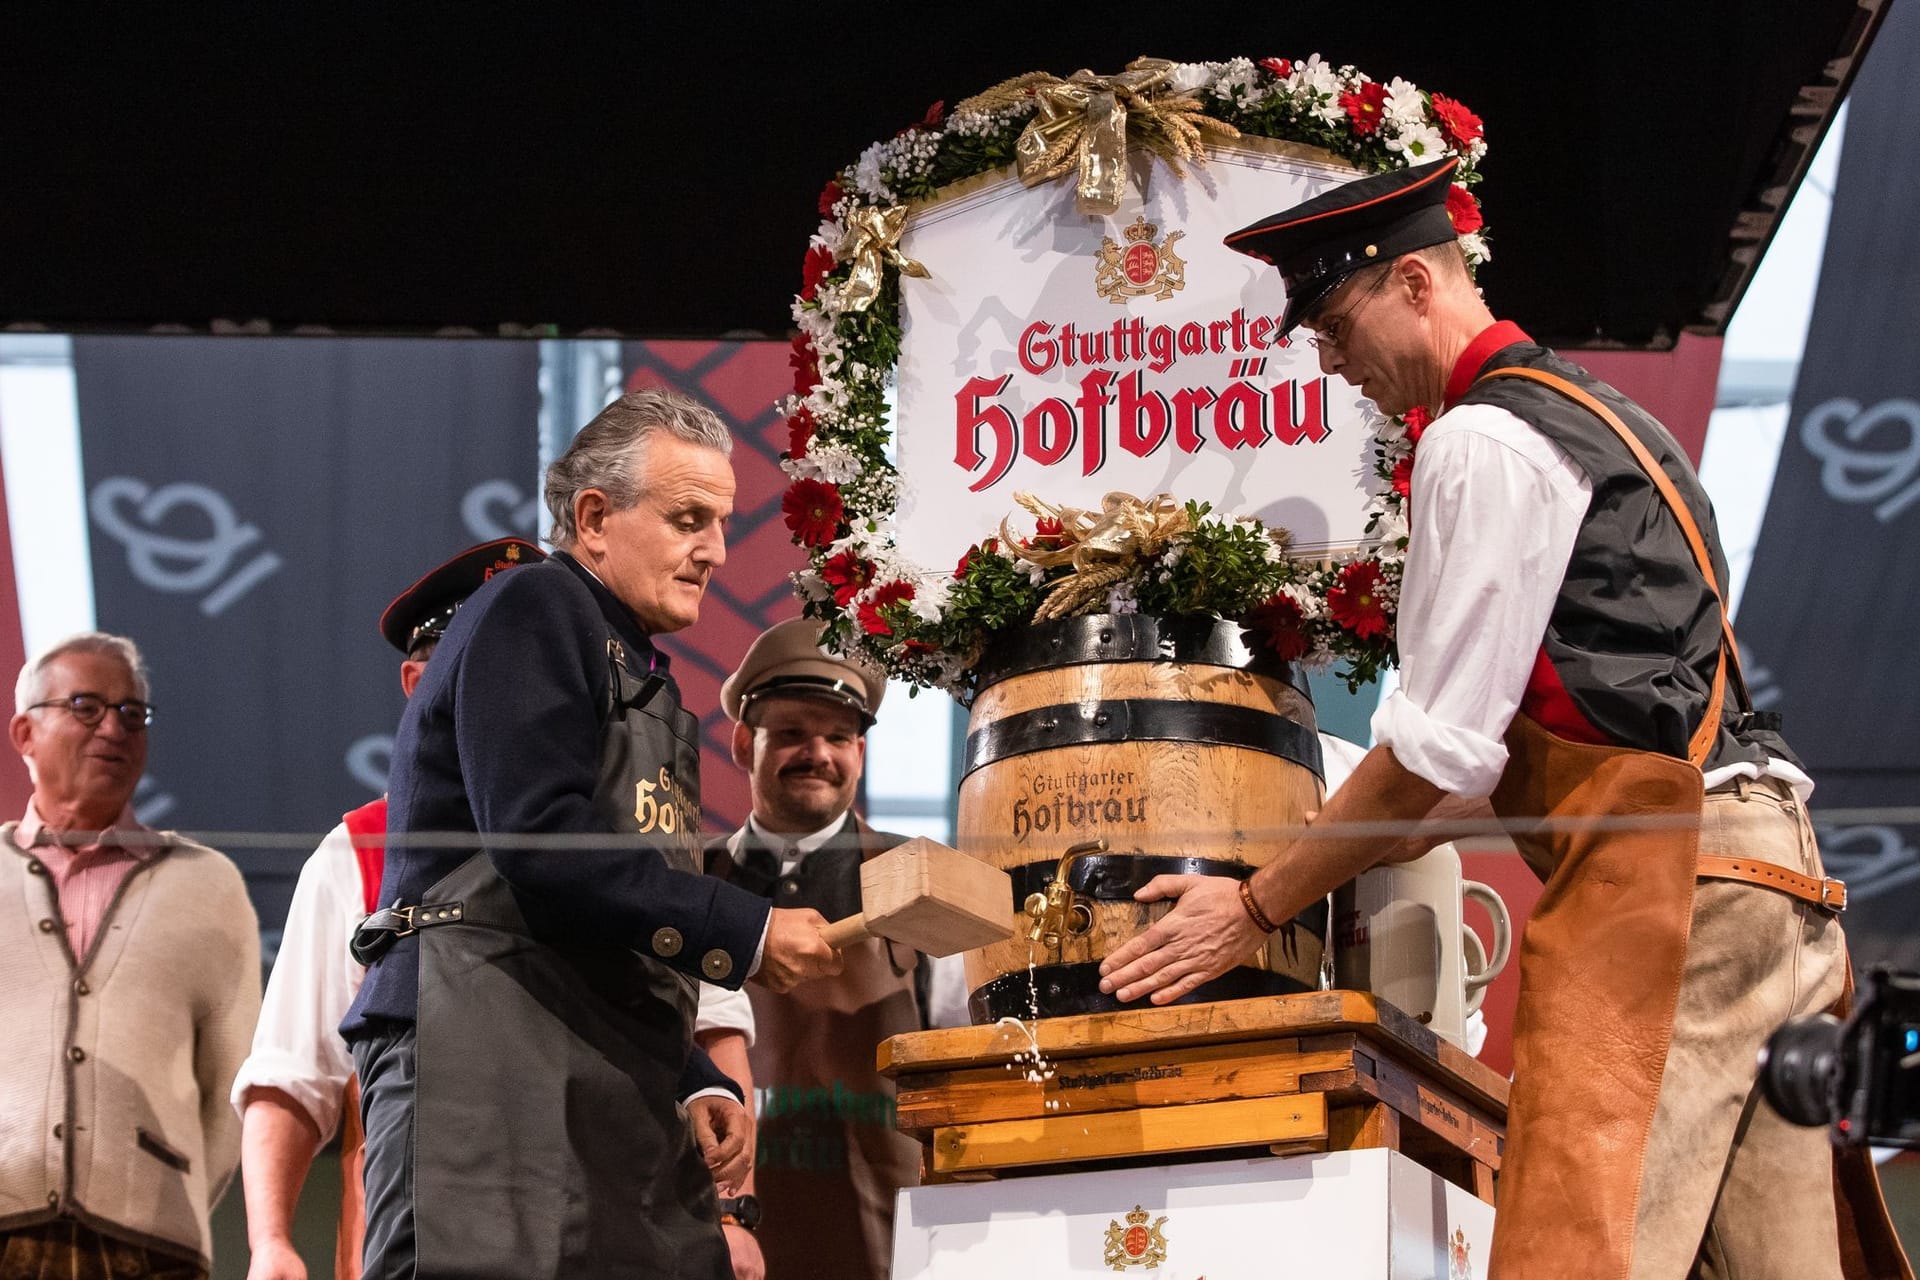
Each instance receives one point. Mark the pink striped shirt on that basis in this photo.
(86, 877)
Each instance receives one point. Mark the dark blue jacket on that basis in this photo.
(502, 735)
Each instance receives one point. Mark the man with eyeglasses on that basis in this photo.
(132, 981)
(1565, 658)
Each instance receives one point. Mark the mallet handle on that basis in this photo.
(841, 932)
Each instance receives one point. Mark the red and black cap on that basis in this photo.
(1321, 242)
(423, 610)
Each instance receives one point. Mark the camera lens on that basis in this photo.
(1800, 1067)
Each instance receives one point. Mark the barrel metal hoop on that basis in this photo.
(1066, 989)
(1074, 724)
(1115, 877)
(1129, 637)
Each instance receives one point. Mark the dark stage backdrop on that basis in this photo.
(253, 504)
(1828, 618)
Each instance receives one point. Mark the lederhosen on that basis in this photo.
(829, 1160)
(548, 1139)
(1602, 957)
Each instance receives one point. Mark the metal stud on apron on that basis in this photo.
(563, 1063)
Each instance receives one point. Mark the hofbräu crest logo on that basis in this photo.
(1141, 267)
(1136, 1244)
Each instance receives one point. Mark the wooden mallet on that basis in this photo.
(931, 898)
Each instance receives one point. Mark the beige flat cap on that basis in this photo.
(786, 661)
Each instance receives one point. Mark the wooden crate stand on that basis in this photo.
(1324, 1071)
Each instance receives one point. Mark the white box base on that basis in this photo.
(1345, 1215)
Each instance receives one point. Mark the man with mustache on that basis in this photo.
(533, 1102)
(829, 1159)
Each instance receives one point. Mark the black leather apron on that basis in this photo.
(547, 1136)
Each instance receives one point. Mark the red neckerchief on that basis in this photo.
(1496, 336)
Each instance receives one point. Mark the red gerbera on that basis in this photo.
(1464, 210)
(1355, 604)
(848, 575)
(829, 197)
(813, 512)
(1403, 476)
(1417, 420)
(799, 432)
(1364, 105)
(891, 594)
(1284, 626)
(814, 268)
(1282, 67)
(1461, 126)
(989, 547)
(806, 365)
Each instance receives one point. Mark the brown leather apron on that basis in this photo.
(1614, 834)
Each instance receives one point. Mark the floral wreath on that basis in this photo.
(928, 626)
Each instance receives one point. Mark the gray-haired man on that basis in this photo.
(525, 1029)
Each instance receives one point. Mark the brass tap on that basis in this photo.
(1058, 912)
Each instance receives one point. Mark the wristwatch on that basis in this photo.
(742, 1211)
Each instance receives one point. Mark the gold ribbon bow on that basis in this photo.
(872, 241)
(1084, 123)
(1103, 547)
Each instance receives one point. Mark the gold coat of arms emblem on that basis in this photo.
(1141, 267)
(1459, 1257)
(1136, 1244)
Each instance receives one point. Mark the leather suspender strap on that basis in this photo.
(1701, 745)
(1828, 894)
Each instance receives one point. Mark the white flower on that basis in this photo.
(1236, 77)
(1188, 76)
(1123, 597)
(1392, 525)
(931, 594)
(1270, 549)
(1315, 76)
(867, 179)
(810, 585)
(1474, 245)
(1419, 143)
(1405, 106)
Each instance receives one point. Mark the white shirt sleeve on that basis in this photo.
(724, 1010)
(297, 1046)
(1495, 511)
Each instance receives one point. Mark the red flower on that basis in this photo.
(813, 512)
(1417, 420)
(1047, 535)
(891, 594)
(815, 267)
(1282, 67)
(1403, 476)
(1355, 604)
(1460, 125)
(806, 365)
(1464, 210)
(1363, 105)
(989, 547)
(1284, 625)
(829, 197)
(848, 575)
(799, 432)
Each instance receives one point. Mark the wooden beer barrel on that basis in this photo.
(1172, 740)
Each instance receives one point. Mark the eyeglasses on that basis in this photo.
(90, 709)
(1332, 333)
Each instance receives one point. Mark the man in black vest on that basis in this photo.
(1565, 656)
(829, 1158)
(524, 1034)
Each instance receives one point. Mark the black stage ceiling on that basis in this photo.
(651, 170)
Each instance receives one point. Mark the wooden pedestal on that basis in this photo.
(1324, 1071)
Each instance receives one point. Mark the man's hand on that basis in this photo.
(748, 1262)
(724, 1133)
(794, 951)
(275, 1260)
(1207, 933)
